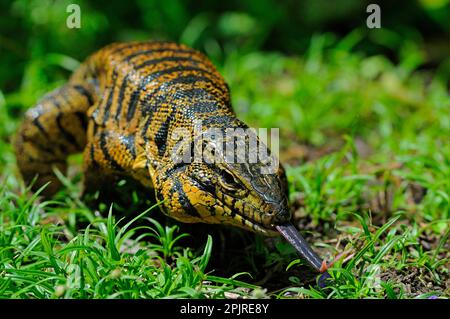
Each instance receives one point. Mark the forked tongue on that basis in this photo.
(304, 250)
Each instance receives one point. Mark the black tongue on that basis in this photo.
(300, 244)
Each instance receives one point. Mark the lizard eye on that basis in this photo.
(228, 181)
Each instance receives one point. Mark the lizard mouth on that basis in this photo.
(246, 222)
(258, 227)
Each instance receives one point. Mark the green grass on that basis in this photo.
(44, 259)
(365, 143)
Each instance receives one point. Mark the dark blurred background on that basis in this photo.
(34, 37)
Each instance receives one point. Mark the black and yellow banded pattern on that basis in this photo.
(120, 108)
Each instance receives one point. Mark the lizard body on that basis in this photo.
(121, 107)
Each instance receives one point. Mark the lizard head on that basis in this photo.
(217, 188)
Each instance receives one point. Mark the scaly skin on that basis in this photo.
(123, 108)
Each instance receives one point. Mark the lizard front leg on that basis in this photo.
(110, 155)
